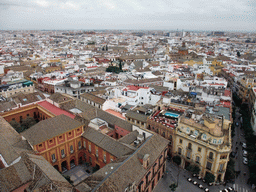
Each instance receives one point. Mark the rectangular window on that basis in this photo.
(180, 141)
(188, 155)
(105, 158)
(209, 165)
(90, 149)
(199, 149)
(85, 144)
(197, 159)
(53, 157)
(221, 167)
(97, 153)
(79, 145)
(71, 149)
(179, 151)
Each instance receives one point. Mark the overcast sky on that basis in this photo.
(238, 15)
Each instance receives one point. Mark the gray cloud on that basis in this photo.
(128, 14)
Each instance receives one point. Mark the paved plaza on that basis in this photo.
(78, 173)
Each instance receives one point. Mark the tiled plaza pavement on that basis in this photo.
(78, 173)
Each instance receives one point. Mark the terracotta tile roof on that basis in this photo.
(115, 113)
(26, 98)
(14, 176)
(50, 128)
(137, 116)
(129, 169)
(129, 138)
(55, 110)
(89, 113)
(59, 98)
(93, 98)
(107, 143)
(131, 81)
(7, 105)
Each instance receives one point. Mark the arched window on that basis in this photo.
(188, 130)
(189, 146)
(211, 155)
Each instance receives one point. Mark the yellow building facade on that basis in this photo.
(203, 141)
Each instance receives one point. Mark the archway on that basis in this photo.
(219, 178)
(72, 163)
(81, 158)
(64, 166)
(187, 164)
(56, 167)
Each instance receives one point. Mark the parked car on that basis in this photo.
(210, 184)
(244, 145)
(200, 186)
(244, 153)
(206, 190)
(237, 123)
(189, 180)
(245, 160)
(230, 189)
(195, 183)
(194, 175)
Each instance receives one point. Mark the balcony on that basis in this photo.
(63, 156)
(71, 151)
(189, 149)
(210, 158)
(54, 160)
(80, 147)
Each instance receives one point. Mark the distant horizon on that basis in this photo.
(189, 15)
(141, 30)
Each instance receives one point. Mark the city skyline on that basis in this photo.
(128, 15)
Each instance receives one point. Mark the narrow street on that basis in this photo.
(241, 181)
(240, 184)
(183, 184)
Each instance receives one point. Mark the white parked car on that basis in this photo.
(244, 153)
(245, 160)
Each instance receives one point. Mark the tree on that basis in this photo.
(194, 169)
(173, 187)
(120, 65)
(16, 125)
(113, 69)
(238, 54)
(209, 177)
(28, 122)
(176, 159)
